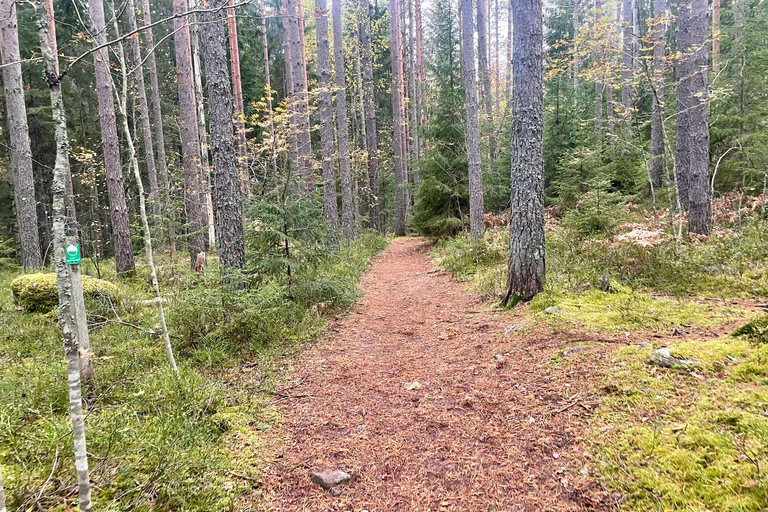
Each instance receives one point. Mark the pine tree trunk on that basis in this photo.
(348, 209)
(64, 285)
(657, 113)
(293, 141)
(370, 118)
(575, 60)
(229, 207)
(330, 208)
(716, 36)
(692, 144)
(18, 131)
(237, 93)
(526, 222)
(398, 136)
(420, 79)
(476, 221)
(300, 104)
(202, 130)
(146, 127)
(509, 54)
(482, 62)
(159, 137)
(114, 170)
(496, 62)
(268, 83)
(627, 64)
(190, 143)
(598, 84)
(413, 103)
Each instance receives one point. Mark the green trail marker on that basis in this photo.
(73, 254)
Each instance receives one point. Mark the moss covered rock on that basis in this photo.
(38, 292)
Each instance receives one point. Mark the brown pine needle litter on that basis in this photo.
(478, 432)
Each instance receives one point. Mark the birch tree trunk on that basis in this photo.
(626, 67)
(370, 118)
(330, 208)
(123, 107)
(657, 110)
(202, 130)
(486, 96)
(194, 187)
(526, 217)
(64, 285)
(146, 127)
(118, 208)
(237, 93)
(348, 223)
(2, 494)
(401, 173)
(229, 206)
(692, 145)
(716, 36)
(18, 131)
(476, 221)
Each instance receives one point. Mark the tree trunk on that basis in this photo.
(348, 223)
(2, 494)
(420, 79)
(202, 130)
(293, 142)
(626, 67)
(157, 117)
(482, 62)
(598, 83)
(716, 36)
(190, 143)
(526, 218)
(496, 75)
(476, 222)
(657, 113)
(300, 104)
(330, 208)
(398, 135)
(18, 131)
(237, 92)
(123, 107)
(268, 83)
(692, 145)
(370, 118)
(146, 127)
(64, 285)
(229, 207)
(508, 93)
(114, 170)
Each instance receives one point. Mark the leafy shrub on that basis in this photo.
(38, 292)
(756, 330)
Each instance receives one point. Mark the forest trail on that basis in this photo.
(408, 395)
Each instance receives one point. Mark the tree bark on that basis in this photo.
(300, 103)
(486, 97)
(202, 129)
(146, 127)
(508, 92)
(268, 83)
(627, 65)
(476, 222)
(349, 226)
(657, 110)
(598, 84)
(526, 222)
(399, 137)
(18, 131)
(293, 142)
(118, 208)
(229, 207)
(330, 208)
(370, 118)
(420, 79)
(159, 137)
(2, 494)
(64, 284)
(190, 143)
(237, 93)
(692, 145)
(716, 36)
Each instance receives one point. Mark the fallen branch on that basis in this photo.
(578, 400)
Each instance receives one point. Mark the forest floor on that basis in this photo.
(432, 400)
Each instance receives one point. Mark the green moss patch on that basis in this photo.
(39, 292)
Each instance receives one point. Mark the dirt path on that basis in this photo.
(407, 395)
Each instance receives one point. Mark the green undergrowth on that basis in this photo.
(694, 440)
(156, 443)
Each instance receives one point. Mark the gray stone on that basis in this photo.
(573, 351)
(554, 310)
(664, 358)
(644, 344)
(335, 492)
(328, 479)
(514, 327)
(499, 357)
